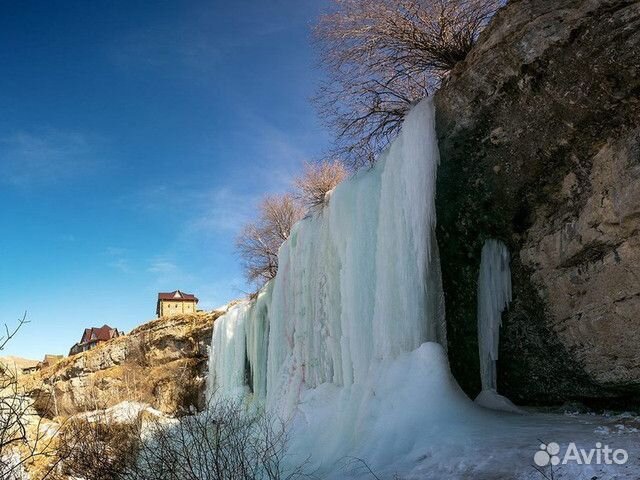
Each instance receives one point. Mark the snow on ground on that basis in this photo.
(123, 412)
(413, 420)
(505, 449)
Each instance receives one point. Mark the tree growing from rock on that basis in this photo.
(316, 180)
(259, 241)
(381, 56)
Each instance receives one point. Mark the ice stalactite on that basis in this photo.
(494, 296)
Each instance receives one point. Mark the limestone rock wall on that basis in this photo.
(540, 145)
(162, 363)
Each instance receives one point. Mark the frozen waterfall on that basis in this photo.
(336, 342)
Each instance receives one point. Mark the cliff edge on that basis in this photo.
(162, 363)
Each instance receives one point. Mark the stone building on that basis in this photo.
(175, 303)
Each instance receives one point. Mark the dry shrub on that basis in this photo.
(224, 442)
(24, 439)
(317, 179)
(97, 449)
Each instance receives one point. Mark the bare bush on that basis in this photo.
(97, 448)
(259, 241)
(15, 447)
(384, 55)
(225, 441)
(317, 179)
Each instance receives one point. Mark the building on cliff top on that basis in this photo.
(92, 336)
(175, 303)
(49, 360)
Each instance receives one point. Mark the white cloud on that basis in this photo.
(168, 275)
(222, 210)
(47, 157)
(119, 259)
(198, 40)
(163, 267)
(122, 265)
(214, 209)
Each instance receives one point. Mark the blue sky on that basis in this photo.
(135, 138)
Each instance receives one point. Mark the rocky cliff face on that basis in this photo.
(539, 133)
(162, 363)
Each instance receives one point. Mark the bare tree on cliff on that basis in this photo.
(317, 180)
(382, 56)
(259, 241)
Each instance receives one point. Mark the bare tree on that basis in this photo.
(317, 179)
(259, 241)
(384, 55)
(23, 437)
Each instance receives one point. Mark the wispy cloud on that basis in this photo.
(198, 41)
(168, 274)
(122, 265)
(197, 210)
(47, 157)
(166, 49)
(222, 210)
(118, 259)
(67, 237)
(163, 267)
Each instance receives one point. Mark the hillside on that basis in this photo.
(161, 363)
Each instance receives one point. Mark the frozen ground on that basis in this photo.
(505, 448)
(412, 420)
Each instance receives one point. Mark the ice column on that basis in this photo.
(494, 295)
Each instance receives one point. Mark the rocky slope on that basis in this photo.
(539, 132)
(162, 363)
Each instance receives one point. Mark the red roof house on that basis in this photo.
(92, 336)
(175, 303)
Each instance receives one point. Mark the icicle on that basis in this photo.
(494, 296)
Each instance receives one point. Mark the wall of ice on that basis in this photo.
(336, 342)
